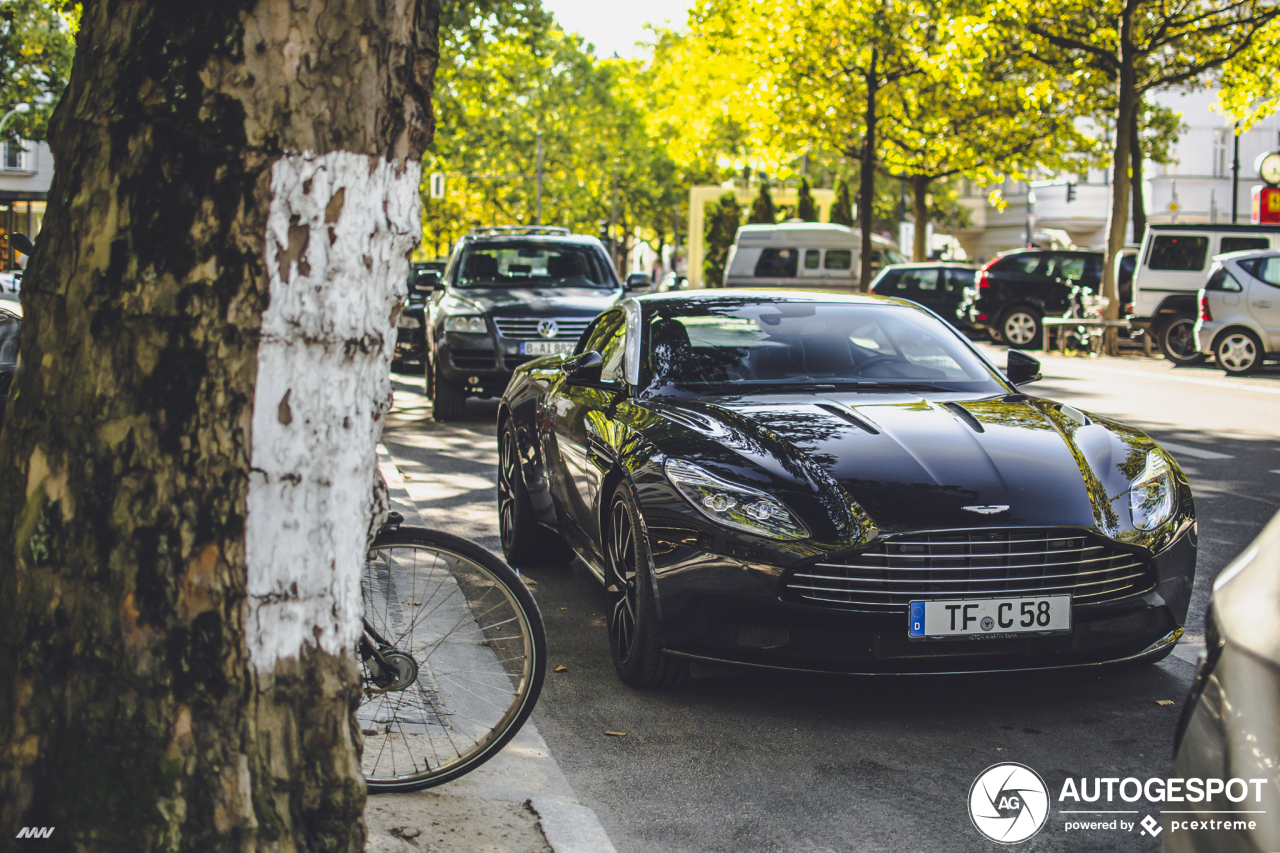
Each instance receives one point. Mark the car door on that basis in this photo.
(1263, 296)
(577, 409)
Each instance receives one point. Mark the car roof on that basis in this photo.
(549, 239)
(766, 294)
(933, 265)
(1247, 254)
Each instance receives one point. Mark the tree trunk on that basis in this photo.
(187, 468)
(920, 210)
(1135, 189)
(867, 180)
(1118, 216)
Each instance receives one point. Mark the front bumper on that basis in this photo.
(721, 609)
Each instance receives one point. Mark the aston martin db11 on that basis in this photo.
(838, 484)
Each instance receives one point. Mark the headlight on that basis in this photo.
(1153, 493)
(406, 322)
(465, 323)
(732, 505)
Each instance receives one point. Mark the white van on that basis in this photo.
(802, 255)
(1173, 265)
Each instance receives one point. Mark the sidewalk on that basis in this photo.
(518, 802)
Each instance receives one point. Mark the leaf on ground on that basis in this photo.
(564, 608)
(562, 669)
(411, 603)
(616, 734)
(368, 732)
(530, 581)
(1164, 701)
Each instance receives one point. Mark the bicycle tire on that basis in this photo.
(479, 651)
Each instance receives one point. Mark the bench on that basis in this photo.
(1057, 323)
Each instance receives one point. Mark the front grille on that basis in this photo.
(946, 564)
(526, 328)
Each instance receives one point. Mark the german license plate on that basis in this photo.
(970, 617)
(546, 347)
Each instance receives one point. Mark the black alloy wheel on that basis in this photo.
(524, 541)
(631, 619)
(1177, 340)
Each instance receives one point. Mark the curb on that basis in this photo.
(525, 772)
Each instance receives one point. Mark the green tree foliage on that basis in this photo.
(1248, 82)
(723, 219)
(762, 211)
(1128, 48)
(842, 207)
(37, 42)
(805, 207)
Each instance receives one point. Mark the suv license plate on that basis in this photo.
(969, 617)
(547, 347)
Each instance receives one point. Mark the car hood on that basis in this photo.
(914, 462)
(538, 301)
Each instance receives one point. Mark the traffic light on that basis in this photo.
(1071, 192)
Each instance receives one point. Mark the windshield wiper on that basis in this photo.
(889, 386)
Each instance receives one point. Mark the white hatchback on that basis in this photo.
(1239, 322)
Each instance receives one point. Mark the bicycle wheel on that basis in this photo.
(452, 658)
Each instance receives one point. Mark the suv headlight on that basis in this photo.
(1153, 493)
(739, 507)
(465, 323)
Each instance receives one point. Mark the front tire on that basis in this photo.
(1177, 340)
(524, 542)
(449, 402)
(632, 619)
(1239, 352)
(1020, 327)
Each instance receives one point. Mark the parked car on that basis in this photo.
(672, 281)
(1239, 322)
(10, 324)
(1018, 289)
(837, 483)
(1230, 724)
(1172, 270)
(803, 256)
(940, 287)
(411, 332)
(509, 295)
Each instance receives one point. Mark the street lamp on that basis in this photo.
(20, 108)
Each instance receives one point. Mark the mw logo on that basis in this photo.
(35, 832)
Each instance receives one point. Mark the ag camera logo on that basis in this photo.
(1008, 803)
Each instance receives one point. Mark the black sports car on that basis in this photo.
(841, 484)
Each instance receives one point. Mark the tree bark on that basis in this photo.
(187, 465)
(867, 180)
(1118, 215)
(920, 210)
(1135, 174)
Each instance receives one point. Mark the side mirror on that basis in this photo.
(424, 283)
(1022, 368)
(637, 281)
(22, 243)
(583, 369)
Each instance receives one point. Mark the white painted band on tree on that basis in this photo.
(340, 229)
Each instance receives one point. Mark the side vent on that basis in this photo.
(965, 415)
(847, 415)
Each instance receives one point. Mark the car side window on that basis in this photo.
(1220, 279)
(1243, 244)
(778, 263)
(890, 282)
(960, 279)
(1068, 268)
(1025, 264)
(812, 258)
(612, 352)
(924, 281)
(838, 259)
(1263, 269)
(1185, 254)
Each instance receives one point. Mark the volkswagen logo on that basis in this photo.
(1008, 803)
(548, 328)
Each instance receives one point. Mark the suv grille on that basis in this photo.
(526, 328)
(972, 563)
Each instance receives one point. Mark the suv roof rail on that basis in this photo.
(499, 230)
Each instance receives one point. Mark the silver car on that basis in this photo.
(1230, 726)
(1239, 322)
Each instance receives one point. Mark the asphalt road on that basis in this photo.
(758, 761)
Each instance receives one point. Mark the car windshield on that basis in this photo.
(534, 264)
(740, 345)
